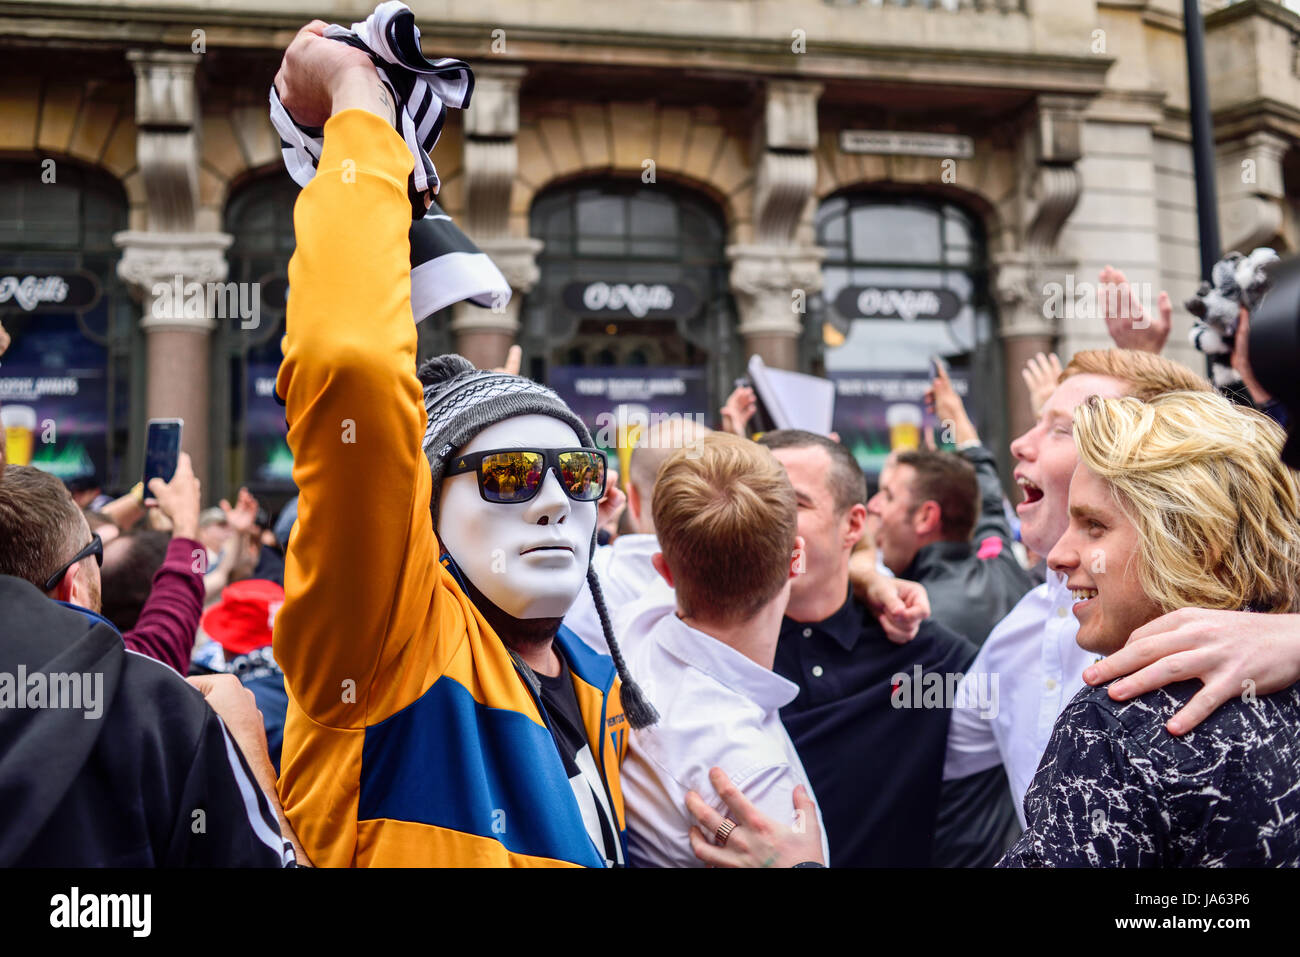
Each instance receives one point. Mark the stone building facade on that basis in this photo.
(794, 175)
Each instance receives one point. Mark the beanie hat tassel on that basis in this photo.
(640, 712)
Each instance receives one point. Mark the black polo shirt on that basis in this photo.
(876, 769)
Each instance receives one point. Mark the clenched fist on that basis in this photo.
(316, 73)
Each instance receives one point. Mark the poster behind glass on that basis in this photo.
(54, 398)
(269, 461)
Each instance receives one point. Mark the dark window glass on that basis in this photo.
(68, 225)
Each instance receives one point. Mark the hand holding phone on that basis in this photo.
(162, 449)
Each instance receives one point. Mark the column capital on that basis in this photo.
(1020, 286)
(164, 88)
(766, 279)
(517, 260)
(161, 268)
(495, 110)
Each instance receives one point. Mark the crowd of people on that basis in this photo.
(502, 659)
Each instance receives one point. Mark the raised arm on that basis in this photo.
(169, 619)
(361, 565)
(943, 400)
(993, 519)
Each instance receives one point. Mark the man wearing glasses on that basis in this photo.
(439, 713)
(106, 755)
(45, 527)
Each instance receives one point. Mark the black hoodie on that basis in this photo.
(109, 758)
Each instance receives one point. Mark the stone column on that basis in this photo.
(773, 277)
(1048, 190)
(1026, 327)
(771, 282)
(491, 156)
(484, 336)
(174, 273)
(171, 265)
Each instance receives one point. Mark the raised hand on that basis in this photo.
(942, 400)
(610, 507)
(1127, 322)
(1041, 374)
(319, 77)
(178, 500)
(242, 517)
(738, 410)
(514, 357)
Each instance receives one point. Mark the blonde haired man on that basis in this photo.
(1176, 503)
(1032, 651)
(725, 515)
(624, 566)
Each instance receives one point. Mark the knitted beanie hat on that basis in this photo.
(461, 402)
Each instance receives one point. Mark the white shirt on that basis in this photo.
(716, 708)
(1038, 667)
(626, 575)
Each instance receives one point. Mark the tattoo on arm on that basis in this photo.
(383, 98)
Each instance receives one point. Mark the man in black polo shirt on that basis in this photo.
(872, 748)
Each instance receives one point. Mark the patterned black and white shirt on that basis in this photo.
(1115, 789)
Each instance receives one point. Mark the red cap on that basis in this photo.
(245, 616)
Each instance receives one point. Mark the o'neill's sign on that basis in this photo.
(896, 302)
(70, 291)
(660, 300)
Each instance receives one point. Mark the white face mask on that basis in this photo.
(497, 546)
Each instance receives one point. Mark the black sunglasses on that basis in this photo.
(511, 476)
(96, 548)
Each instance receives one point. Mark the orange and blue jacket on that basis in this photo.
(411, 737)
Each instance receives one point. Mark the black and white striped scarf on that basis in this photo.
(446, 266)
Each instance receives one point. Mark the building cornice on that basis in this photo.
(86, 25)
(1253, 8)
(1261, 113)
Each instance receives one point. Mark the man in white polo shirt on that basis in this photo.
(726, 518)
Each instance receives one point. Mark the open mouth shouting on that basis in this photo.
(1033, 494)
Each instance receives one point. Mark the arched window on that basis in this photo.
(621, 234)
(904, 279)
(68, 369)
(887, 243)
(248, 423)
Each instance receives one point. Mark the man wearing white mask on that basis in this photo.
(439, 715)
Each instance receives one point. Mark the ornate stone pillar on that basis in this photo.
(491, 156)
(176, 273)
(484, 336)
(171, 266)
(771, 282)
(773, 277)
(1252, 196)
(1048, 190)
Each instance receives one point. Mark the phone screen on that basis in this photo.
(161, 450)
